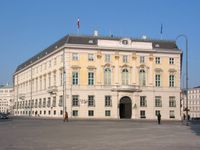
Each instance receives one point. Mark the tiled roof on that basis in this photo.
(92, 40)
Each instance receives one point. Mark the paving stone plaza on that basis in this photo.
(49, 134)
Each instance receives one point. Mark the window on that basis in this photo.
(36, 103)
(49, 79)
(90, 57)
(172, 101)
(158, 101)
(171, 81)
(157, 60)
(108, 101)
(157, 112)
(75, 56)
(61, 77)
(40, 103)
(40, 83)
(90, 78)
(49, 112)
(75, 100)
(54, 78)
(171, 60)
(90, 113)
(74, 78)
(157, 80)
(107, 113)
(107, 76)
(125, 59)
(49, 102)
(44, 112)
(125, 42)
(125, 77)
(143, 101)
(44, 102)
(91, 101)
(45, 82)
(142, 114)
(36, 84)
(142, 60)
(107, 57)
(54, 101)
(75, 113)
(60, 101)
(142, 78)
(171, 114)
(61, 112)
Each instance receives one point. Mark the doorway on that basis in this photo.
(125, 108)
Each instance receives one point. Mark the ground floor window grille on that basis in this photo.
(61, 112)
(157, 112)
(107, 113)
(75, 113)
(142, 114)
(171, 114)
(90, 113)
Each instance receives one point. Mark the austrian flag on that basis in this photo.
(78, 23)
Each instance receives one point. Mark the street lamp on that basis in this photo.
(186, 90)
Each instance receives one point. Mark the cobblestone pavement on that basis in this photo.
(49, 134)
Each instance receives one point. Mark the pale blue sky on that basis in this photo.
(28, 26)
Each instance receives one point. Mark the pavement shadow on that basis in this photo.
(195, 127)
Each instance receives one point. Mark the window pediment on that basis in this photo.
(158, 70)
(172, 70)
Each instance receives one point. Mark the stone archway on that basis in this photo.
(125, 108)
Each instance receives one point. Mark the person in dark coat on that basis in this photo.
(184, 116)
(159, 118)
(66, 117)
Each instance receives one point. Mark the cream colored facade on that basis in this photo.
(101, 77)
(6, 99)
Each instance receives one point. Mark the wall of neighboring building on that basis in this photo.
(6, 99)
(193, 102)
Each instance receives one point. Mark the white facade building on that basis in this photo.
(101, 77)
(6, 99)
(193, 102)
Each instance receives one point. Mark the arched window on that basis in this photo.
(125, 77)
(107, 76)
(142, 78)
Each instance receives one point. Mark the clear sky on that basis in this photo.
(29, 26)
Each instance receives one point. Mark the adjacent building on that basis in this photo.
(101, 77)
(6, 99)
(193, 102)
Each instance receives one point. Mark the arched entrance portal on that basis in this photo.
(125, 108)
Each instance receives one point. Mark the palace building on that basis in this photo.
(101, 77)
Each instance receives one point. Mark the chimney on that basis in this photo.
(96, 33)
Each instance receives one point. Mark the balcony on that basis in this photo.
(52, 89)
(127, 88)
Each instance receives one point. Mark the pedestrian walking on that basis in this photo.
(184, 116)
(66, 117)
(159, 117)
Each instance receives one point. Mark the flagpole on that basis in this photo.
(78, 25)
(161, 31)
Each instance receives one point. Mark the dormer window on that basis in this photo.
(125, 42)
(90, 41)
